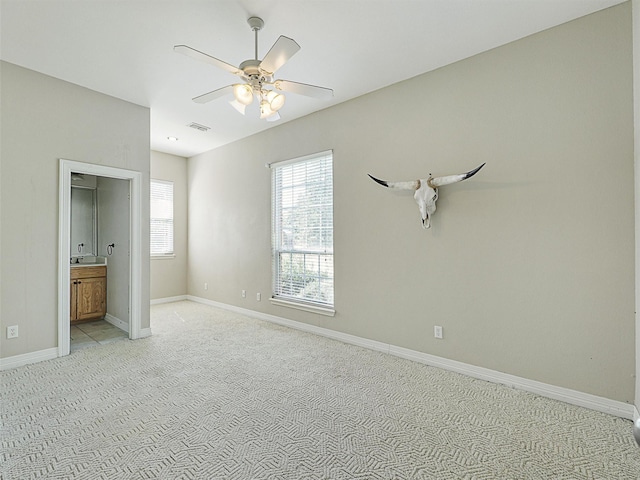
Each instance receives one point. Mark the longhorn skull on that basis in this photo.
(426, 191)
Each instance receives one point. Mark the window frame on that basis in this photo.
(169, 253)
(325, 250)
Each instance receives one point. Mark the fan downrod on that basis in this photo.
(256, 23)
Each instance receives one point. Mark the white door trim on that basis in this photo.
(64, 245)
(635, 9)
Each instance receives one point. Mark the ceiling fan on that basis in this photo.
(258, 77)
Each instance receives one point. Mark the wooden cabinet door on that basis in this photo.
(91, 298)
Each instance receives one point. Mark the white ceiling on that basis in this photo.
(124, 48)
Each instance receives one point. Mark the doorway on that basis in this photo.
(130, 260)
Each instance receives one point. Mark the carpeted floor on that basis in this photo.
(215, 395)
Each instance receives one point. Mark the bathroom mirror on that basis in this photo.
(83, 221)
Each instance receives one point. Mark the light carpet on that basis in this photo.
(216, 395)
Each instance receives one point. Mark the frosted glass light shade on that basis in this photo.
(265, 109)
(276, 100)
(243, 93)
(273, 118)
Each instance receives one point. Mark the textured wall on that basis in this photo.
(169, 275)
(528, 266)
(44, 119)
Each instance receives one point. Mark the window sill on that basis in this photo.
(163, 257)
(327, 311)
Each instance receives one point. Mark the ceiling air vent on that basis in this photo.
(197, 126)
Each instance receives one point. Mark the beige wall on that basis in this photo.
(169, 275)
(44, 119)
(528, 266)
(113, 228)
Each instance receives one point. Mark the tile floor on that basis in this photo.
(98, 332)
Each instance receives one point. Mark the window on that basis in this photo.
(302, 229)
(161, 218)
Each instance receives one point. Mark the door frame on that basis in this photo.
(64, 245)
(635, 14)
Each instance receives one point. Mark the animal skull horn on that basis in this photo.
(426, 191)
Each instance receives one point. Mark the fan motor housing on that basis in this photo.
(250, 67)
(253, 72)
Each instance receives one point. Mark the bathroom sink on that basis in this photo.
(88, 261)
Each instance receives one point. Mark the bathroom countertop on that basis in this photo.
(90, 262)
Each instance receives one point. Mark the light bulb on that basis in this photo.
(243, 93)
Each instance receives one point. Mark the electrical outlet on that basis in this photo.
(244, 294)
(12, 331)
(437, 331)
(258, 296)
(206, 286)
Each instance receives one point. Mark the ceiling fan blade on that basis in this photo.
(240, 107)
(207, 97)
(314, 91)
(203, 57)
(280, 53)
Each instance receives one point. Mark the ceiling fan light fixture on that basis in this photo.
(276, 100)
(243, 93)
(265, 109)
(256, 74)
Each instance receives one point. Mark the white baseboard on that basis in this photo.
(567, 395)
(115, 321)
(636, 414)
(157, 301)
(145, 332)
(27, 358)
(51, 353)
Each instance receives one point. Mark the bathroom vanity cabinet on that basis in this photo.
(88, 292)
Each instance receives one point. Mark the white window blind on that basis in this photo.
(161, 218)
(302, 230)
